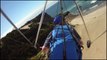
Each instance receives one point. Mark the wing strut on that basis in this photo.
(40, 24)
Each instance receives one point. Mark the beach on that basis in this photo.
(96, 26)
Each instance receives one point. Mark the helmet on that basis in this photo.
(57, 20)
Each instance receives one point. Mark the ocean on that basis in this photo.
(71, 7)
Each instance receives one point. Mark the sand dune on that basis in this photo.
(96, 25)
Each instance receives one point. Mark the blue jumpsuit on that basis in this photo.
(57, 45)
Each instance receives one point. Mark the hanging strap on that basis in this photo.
(64, 50)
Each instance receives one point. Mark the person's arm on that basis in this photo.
(76, 34)
(46, 43)
(76, 37)
(49, 37)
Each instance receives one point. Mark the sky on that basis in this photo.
(20, 12)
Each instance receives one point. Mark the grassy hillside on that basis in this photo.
(14, 46)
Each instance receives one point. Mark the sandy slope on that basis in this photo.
(96, 24)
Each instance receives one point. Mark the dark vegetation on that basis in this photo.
(14, 47)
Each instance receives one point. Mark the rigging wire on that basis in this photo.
(82, 20)
(89, 41)
(70, 29)
(99, 36)
(40, 24)
(10, 21)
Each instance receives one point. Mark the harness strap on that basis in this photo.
(74, 36)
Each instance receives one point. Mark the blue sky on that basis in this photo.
(19, 12)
